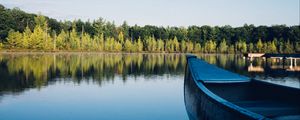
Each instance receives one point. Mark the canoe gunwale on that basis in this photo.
(226, 105)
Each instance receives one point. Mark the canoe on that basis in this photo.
(214, 93)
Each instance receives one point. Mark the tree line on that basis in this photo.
(20, 30)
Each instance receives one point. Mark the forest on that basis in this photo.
(21, 31)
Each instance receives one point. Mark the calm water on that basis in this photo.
(110, 86)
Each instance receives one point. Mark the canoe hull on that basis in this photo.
(248, 100)
(201, 106)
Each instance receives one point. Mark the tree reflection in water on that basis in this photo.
(19, 71)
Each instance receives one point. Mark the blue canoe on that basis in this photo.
(214, 93)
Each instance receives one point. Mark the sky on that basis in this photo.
(168, 12)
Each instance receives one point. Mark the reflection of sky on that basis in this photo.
(158, 98)
(286, 81)
(239, 65)
(166, 12)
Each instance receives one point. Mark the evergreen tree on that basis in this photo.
(14, 39)
(160, 45)
(61, 41)
(272, 47)
(74, 40)
(121, 38)
(128, 47)
(259, 46)
(231, 49)
(223, 46)
(99, 42)
(37, 38)
(183, 46)
(26, 38)
(210, 46)
(198, 48)
(288, 47)
(251, 48)
(139, 45)
(190, 46)
(117, 46)
(176, 44)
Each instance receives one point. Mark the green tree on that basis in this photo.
(190, 46)
(231, 49)
(271, 47)
(223, 46)
(121, 37)
(74, 39)
(210, 46)
(288, 47)
(26, 38)
(251, 48)
(183, 46)
(61, 40)
(198, 48)
(160, 45)
(128, 47)
(176, 44)
(297, 47)
(259, 46)
(14, 39)
(117, 46)
(169, 46)
(99, 42)
(86, 42)
(37, 38)
(1, 45)
(109, 44)
(243, 47)
(139, 45)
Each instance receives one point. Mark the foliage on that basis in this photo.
(20, 30)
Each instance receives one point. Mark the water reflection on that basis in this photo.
(24, 70)
(19, 71)
(271, 70)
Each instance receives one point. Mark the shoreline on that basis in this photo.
(101, 52)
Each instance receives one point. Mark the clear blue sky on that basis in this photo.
(168, 12)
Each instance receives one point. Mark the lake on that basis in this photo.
(110, 86)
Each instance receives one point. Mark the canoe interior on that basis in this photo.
(208, 96)
(270, 100)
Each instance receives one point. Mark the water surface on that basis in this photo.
(108, 86)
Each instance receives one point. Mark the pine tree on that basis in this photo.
(37, 38)
(251, 48)
(99, 42)
(197, 48)
(288, 47)
(128, 47)
(183, 46)
(160, 45)
(243, 47)
(74, 39)
(86, 42)
(223, 46)
(210, 46)
(190, 46)
(1, 45)
(26, 38)
(14, 39)
(259, 46)
(176, 44)
(272, 47)
(121, 38)
(139, 45)
(61, 40)
(231, 49)
(117, 46)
